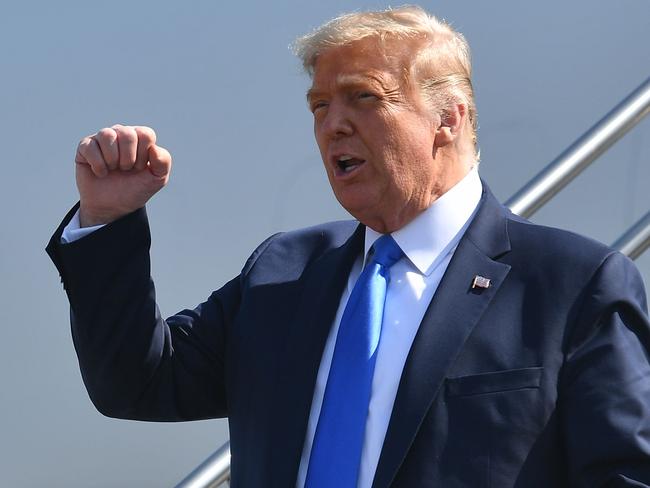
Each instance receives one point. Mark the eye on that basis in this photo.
(364, 95)
(317, 105)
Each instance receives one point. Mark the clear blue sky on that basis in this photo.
(226, 96)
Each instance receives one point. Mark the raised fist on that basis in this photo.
(118, 170)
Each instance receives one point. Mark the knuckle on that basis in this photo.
(146, 134)
(107, 135)
(122, 131)
(86, 140)
(85, 144)
(129, 135)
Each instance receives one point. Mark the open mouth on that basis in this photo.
(347, 164)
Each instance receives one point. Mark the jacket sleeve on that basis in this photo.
(135, 364)
(605, 388)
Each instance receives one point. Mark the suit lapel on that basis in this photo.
(447, 323)
(323, 284)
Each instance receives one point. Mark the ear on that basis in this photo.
(452, 120)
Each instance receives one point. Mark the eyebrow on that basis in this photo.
(311, 94)
(348, 80)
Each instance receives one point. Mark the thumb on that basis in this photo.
(160, 161)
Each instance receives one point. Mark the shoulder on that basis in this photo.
(294, 250)
(561, 260)
(550, 243)
(328, 234)
(530, 248)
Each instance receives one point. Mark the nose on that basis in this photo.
(337, 121)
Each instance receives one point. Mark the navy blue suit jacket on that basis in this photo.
(540, 380)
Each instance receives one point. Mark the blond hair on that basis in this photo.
(441, 65)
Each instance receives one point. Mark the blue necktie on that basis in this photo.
(336, 451)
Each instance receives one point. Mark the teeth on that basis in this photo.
(348, 163)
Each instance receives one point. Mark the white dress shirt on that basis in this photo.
(428, 243)
(73, 231)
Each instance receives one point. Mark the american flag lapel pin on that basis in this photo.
(480, 282)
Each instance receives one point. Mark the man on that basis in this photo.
(507, 354)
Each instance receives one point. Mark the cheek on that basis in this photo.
(411, 166)
(322, 146)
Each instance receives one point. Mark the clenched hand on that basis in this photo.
(118, 170)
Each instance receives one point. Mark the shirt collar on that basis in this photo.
(436, 231)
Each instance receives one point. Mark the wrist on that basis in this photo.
(89, 218)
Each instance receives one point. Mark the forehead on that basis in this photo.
(367, 60)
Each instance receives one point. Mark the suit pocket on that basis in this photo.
(493, 382)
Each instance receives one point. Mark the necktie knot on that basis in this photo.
(386, 251)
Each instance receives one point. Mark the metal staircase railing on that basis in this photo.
(215, 470)
(582, 153)
(636, 239)
(212, 472)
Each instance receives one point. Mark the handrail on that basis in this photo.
(212, 472)
(636, 239)
(582, 152)
(215, 470)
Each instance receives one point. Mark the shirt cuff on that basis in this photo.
(73, 231)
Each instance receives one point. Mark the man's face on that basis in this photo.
(375, 134)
